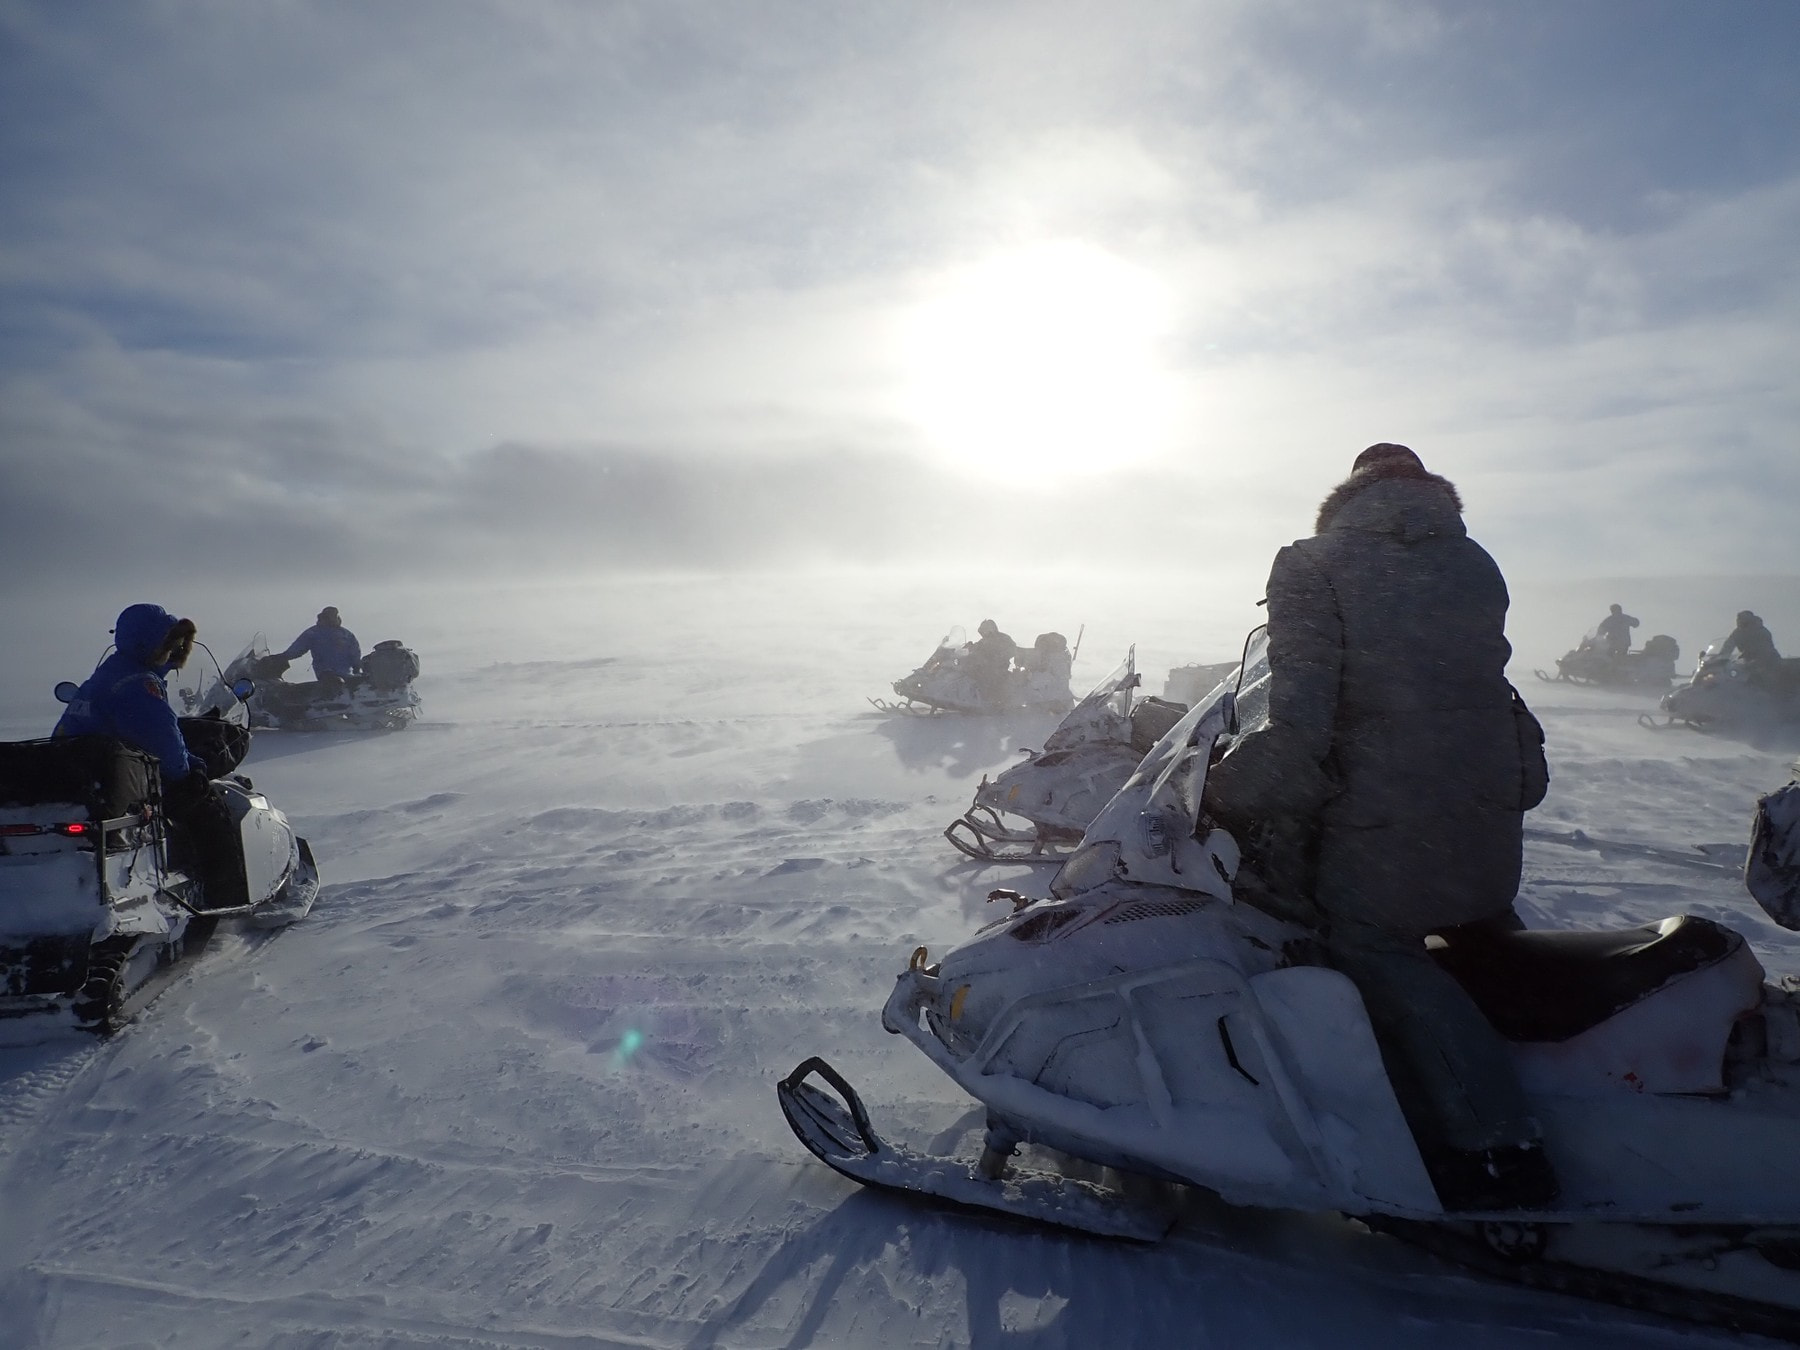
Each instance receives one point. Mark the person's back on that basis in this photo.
(127, 698)
(1614, 631)
(1751, 640)
(1395, 741)
(335, 651)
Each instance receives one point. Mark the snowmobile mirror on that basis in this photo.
(243, 689)
(66, 690)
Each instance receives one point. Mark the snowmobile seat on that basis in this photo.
(106, 777)
(1554, 985)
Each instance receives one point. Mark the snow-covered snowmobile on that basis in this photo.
(99, 897)
(1651, 666)
(946, 682)
(381, 698)
(1731, 695)
(1154, 1015)
(1772, 866)
(1058, 790)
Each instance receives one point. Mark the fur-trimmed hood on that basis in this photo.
(1393, 497)
(152, 636)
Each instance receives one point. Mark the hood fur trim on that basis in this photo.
(1379, 472)
(176, 647)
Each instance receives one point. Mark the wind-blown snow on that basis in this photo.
(512, 1082)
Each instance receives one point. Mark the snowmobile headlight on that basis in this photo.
(1158, 837)
(1090, 866)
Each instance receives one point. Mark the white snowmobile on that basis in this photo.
(1148, 1017)
(1651, 666)
(381, 698)
(1730, 695)
(946, 683)
(1772, 866)
(97, 902)
(1058, 790)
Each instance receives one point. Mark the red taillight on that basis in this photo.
(73, 827)
(12, 831)
(67, 827)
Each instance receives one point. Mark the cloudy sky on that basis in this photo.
(452, 285)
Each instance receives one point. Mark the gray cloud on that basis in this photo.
(335, 286)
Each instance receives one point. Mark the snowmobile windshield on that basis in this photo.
(1122, 680)
(201, 686)
(953, 641)
(1251, 708)
(1147, 831)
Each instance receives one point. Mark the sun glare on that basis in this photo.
(1042, 364)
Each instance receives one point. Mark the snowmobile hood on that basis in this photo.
(140, 629)
(1412, 509)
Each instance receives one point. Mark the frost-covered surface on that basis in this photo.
(512, 1081)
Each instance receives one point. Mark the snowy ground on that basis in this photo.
(512, 1083)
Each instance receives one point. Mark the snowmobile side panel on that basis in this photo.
(1344, 1086)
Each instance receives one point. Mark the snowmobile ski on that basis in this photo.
(838, 1133)
(980, 834)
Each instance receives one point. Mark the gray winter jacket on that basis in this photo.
(1392, 727)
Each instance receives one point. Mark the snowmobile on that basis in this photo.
(945, 683)
(1772, 866)
(1058, 790)
(1188, 684)
(1731, 695)
(1651, 666)
(1158, 1015)
(99, 898)
(381, 698)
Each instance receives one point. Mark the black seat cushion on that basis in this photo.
(1550, 986)
(108, 777)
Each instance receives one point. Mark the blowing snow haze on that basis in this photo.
(326, 289)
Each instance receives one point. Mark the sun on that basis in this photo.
(1041, 364)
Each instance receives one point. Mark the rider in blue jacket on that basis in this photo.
(127, 696)
(335, 650)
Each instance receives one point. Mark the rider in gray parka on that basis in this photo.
(1394, 735)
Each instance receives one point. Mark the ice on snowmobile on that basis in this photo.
(1731, 695)
(947, 681)
(1651, 666)
(100, 897)
(1058, 790)
(381, 698)
(1153, 1016)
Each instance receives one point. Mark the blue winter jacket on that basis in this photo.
(127, 698)
(335, 650)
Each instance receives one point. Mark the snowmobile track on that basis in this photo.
(1622, 1290)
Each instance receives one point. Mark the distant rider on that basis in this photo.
(127, 698)
(1755, 647)
(1394, 736)
(1614, 632)
(336, 654)
(990, 661)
